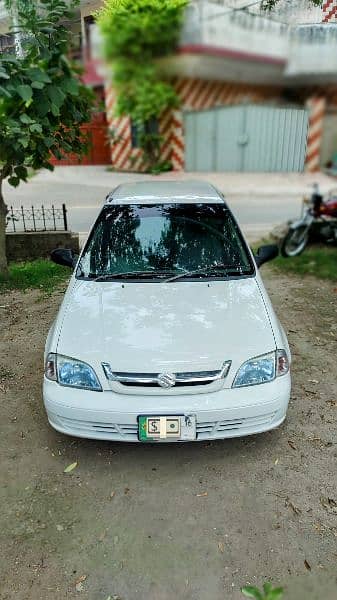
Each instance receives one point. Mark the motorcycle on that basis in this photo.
(318, 222)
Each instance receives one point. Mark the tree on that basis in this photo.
(43, 103)
(135, 34)
(270, 4)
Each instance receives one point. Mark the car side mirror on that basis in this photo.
(266, 253)
(64, 257)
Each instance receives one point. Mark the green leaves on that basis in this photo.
(35, 128)
(269, 593)
(141, 29)
(70, 467)
(136, 33)
(14, 181)
(48, 141)
(252, 592)
(21, 172)
(5, 92)
(38, 85)
(24, 118)
(43, 103)
(55, 110)
(275, 594)
(56, 95)
(70, 86)
(24, 141)
(25, 91)
(38, 75)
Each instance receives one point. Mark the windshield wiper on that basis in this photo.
(126, 274)
(228, 271)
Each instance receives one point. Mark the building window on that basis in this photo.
(150, 127)
(89, 23)
(7, 43)
(134, 134)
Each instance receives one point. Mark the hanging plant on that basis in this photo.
(135, 34)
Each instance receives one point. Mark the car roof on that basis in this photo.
(164, 191)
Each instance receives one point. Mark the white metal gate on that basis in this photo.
(246, 138)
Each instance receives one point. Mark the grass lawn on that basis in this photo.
(317, 260)
(41, 274)
(320, 261)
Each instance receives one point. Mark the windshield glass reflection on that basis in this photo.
(165, 238)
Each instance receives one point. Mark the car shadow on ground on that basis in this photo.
(87, 450)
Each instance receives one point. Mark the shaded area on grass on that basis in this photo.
(320, 261)
(41, 274)
(317, 260)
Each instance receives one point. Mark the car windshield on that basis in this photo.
(163, 240)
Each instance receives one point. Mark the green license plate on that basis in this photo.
(165, 428)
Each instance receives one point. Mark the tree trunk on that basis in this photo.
(3, 213)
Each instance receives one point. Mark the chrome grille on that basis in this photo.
(206, 430)
(218, 429)
(190, 378)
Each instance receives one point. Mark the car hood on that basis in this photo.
(178, 326)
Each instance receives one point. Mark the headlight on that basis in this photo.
(282, 363)
(262, 369)
(71, 372)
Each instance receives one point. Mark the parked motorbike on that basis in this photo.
(318, 221)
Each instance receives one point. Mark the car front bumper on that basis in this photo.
(223, 414)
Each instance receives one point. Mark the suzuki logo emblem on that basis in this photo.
(166, 380)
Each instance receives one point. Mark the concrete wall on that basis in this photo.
(39, 244)
(288, 11)
(4, 18)
(297, 12)
(209, 24)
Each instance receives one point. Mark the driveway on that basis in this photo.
(190, 522)
(260, 201)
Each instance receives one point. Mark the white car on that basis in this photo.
(166, 332)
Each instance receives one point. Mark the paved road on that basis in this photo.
(259, 201)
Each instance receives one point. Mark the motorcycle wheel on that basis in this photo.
(295, 241)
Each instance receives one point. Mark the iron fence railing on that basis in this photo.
(37, 218)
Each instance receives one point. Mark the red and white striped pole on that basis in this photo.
(329, 9)
(177, 141)
(109, 97)
(121, 146)
(316, 106)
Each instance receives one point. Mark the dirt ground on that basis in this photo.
(133, 521)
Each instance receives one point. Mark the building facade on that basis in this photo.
(97, 130)
(257, 92)
(254, 91)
